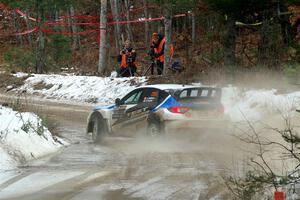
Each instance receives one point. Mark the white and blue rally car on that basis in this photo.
(159, 109)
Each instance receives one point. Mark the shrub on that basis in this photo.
(26, 126)
(20, 59)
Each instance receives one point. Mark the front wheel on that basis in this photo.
(99, 129)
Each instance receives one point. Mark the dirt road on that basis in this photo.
(120, 168)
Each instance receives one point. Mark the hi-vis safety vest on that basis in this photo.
(124, 63)
(160, 48)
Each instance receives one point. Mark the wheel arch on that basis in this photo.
(92, 116)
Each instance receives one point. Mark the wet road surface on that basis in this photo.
(121, 167)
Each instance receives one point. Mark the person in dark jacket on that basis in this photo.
(157, 48)
(127, 58)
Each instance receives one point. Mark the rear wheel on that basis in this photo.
(98, 129)
(155, 129)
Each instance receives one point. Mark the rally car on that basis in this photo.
(158, 109)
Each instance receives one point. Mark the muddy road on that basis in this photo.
(180, 167)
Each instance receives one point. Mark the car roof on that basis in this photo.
(174, 86)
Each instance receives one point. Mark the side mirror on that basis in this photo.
(118, 102)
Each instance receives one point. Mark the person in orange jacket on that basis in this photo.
(157, 49)
(127, 58)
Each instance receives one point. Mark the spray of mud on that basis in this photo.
(261, 104)
(215, 145)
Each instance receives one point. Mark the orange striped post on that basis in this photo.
(278, 195)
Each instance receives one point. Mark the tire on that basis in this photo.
(98, 129)
(155, 129)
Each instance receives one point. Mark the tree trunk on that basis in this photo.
(193, 29)
(56, 28)
(29, 27)
(168, 32)
(17, 28)
(271, 43)
(128, 26)
(117, 28)
(147, 40)
(229, 43)
(103, 40)
(40, 44)
(186, 35)
(75, 38)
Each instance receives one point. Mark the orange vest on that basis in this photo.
(160, 48)
(124, 63)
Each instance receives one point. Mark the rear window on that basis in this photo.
(198, 94)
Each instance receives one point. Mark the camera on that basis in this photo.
(129, 59)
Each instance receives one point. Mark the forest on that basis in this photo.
(209, 36)
(215, 42)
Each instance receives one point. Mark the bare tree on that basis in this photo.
(29, 27)
(147, 37)
(75, 38)
(168, 32)
(56, 15)
(103, 39)
(193, 28)
(261, 172)
(117, 29)
(229, 42)
(128, 26)
(40, 46)
(17, 28)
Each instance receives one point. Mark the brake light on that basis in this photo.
(179, 109)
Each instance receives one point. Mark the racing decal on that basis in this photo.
(119, 113)
(136, 116)
(104, 107)
(137, 113)
(127, 118)
(168, 103)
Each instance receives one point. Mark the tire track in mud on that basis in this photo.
(14, 179)
(64, 189)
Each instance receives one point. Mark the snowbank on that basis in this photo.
(88, 89)
(255, 104)
(23, 137)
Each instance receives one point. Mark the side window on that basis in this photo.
(132, 98)
(214, 93)
(150, 96)
(183, 94)
(162, 96)
(204, 93)
(194, 93)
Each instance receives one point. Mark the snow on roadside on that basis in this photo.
(23, 137)
(90, 89)
(255, 104)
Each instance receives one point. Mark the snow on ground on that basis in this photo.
(23, 137)
(255, 104)
(90, 89)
